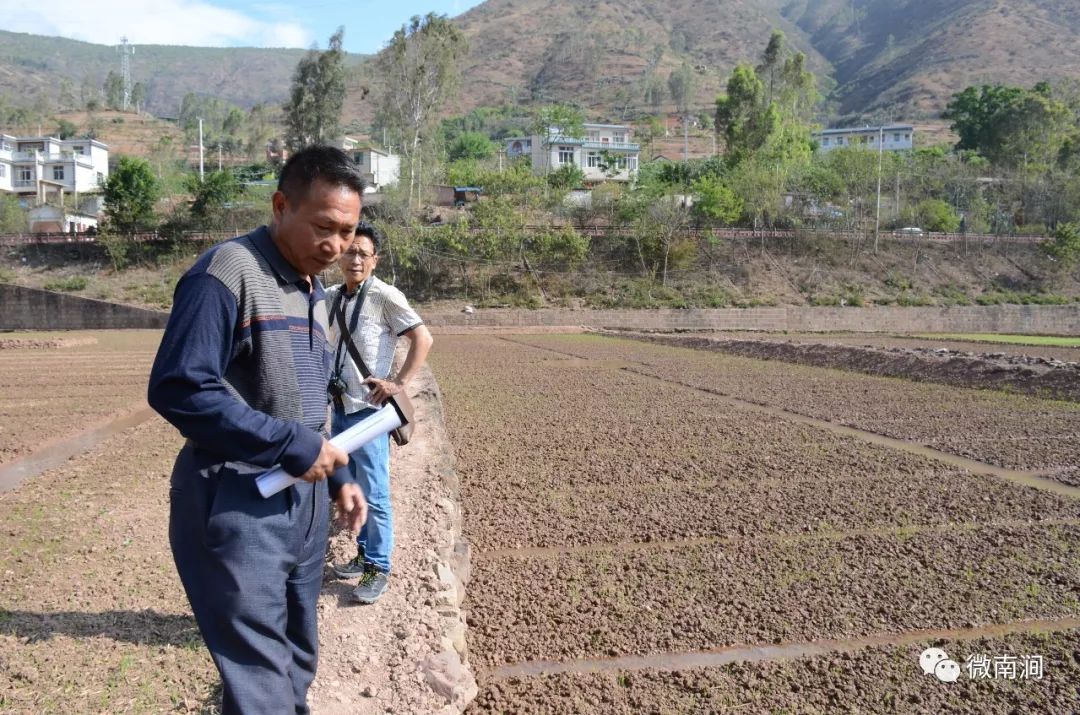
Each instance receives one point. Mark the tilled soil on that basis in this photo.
(93, 618)
(49, 394)
(872, 680)
(693, 597)
(1011, 431)
(1036, 376)
(1004, 352)
(618, 510)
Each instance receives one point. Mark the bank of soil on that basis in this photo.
(620, 509)
(1023, 374)
(406, 653)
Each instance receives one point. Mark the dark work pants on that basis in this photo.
(252, 569)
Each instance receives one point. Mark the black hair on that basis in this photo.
(319, 162)
(365, 228)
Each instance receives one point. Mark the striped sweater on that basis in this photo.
(243, 365)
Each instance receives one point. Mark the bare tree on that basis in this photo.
(420, 66)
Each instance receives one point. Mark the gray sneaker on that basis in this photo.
(372, 586)
(352, 569)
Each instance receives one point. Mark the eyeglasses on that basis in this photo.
(354, 255)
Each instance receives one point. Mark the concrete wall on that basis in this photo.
(32, 309)
(1021, 319)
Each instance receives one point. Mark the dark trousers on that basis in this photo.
(252, 569)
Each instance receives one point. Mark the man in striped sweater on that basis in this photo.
(242, 373)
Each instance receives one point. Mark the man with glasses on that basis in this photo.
(375, 314)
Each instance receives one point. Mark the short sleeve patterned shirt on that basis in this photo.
(384, 317)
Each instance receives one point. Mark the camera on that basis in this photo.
(337, 387)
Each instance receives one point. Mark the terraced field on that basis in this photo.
(667, 530)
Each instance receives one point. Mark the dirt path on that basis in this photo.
(406, 653)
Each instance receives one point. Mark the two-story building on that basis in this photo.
(36, 168)
(381, 168)
(894, 137)
(604, 152)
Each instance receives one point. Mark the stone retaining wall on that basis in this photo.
(1019, 319)
(24, 308)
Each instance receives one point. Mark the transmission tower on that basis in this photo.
(126, 51)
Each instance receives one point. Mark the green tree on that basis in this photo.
(114, 91)
(769, 106)
(471, 145)
(138, 96)
(65, 129)
(316, 97)
(681, 85)
(211, 196)
(12, 216)
(1065, 246)
(715, 201)
(131, 191)
(420, 67)
(1011, 126)
(937, 215)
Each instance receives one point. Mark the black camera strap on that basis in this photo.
(337, 312)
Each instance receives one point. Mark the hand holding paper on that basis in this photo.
(385, 420)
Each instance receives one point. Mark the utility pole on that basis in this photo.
(877, 216)
(200, 151)
(686, 135)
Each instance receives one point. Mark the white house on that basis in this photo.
(381, 168)
(603, 153)
(35, 167)
(894, 137)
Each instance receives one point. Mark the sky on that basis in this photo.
(369, 24)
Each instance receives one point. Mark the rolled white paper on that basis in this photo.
(385, 420)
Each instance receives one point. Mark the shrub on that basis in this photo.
(74, 283)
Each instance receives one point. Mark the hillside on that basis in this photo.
(913, 54)
(875, 59)
(33, 66)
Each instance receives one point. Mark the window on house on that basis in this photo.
(631, 163)
(620, 137)
(79, 149)
(100, 178)
(3, 171)
(593, 136)
(592, 160)
(566, 155)
(58, 173)
(825, 141)
(26, 174)
(907, 137)
(896, 137)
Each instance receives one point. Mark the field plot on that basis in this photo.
(92, 615)
(1010, 431)
(641, 542)
(57, 384)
